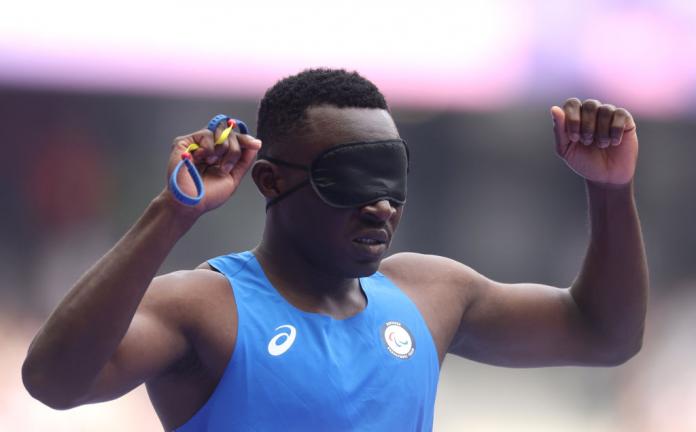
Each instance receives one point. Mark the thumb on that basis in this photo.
(249, 142)
(250, 146)
(559, 130)
(245, 161)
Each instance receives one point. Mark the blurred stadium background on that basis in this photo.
(92, 93)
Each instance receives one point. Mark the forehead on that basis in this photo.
(328, 126)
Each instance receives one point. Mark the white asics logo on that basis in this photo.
(275, 348)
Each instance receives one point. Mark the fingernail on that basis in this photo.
(574, 137)
(615, 141)
(604, 143)
(211, 160)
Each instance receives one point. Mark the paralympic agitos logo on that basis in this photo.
(398, 340)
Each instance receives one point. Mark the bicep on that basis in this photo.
(523, 325)
(155, 340)
(517, 325)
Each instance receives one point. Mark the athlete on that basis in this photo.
(313, 329)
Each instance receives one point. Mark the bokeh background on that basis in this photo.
(92, 93)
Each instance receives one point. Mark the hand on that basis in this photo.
(221, 166)
(597, 141)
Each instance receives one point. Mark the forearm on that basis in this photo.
(612, 287)
(84, 331)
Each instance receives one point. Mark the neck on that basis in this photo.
(304, 284)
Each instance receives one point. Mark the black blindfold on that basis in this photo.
(355, 174)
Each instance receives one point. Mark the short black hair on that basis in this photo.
(282, 111)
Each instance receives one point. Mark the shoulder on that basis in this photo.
(187, 297)
(199, 304)
(415, 268)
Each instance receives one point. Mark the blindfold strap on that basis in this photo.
(284, 163)
(292, 189)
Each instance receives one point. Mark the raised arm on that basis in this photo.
(103, 339)
(599, 319)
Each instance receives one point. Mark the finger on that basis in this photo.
(559, 130)
(206, 143)
(588, 120)
(219, 147)
(621, 122)
(233, 154)
(187, 144)
(219, 152)
(571, 108)
(245, 161)
(604, 118)
(179, 146)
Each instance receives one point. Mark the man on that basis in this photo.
(310, 337)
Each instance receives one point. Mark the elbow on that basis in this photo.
(615, 354)
(634, 349)
(40, 387)
(619, 357)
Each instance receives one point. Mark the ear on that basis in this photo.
(265, 175)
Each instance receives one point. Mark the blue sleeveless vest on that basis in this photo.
(298, 371)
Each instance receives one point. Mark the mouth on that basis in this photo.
(373, 243)
(372, 237)
(368, 241)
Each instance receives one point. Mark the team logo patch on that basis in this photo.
(282, 341)
(398, 339)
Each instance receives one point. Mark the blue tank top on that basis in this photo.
(298, 371)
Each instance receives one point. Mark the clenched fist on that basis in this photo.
(597, 141)
(221, 166)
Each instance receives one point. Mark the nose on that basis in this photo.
(380, 211)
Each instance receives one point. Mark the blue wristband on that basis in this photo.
(180, 195)
(215, 122)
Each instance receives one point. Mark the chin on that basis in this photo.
(365, 268)
(349, 263)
